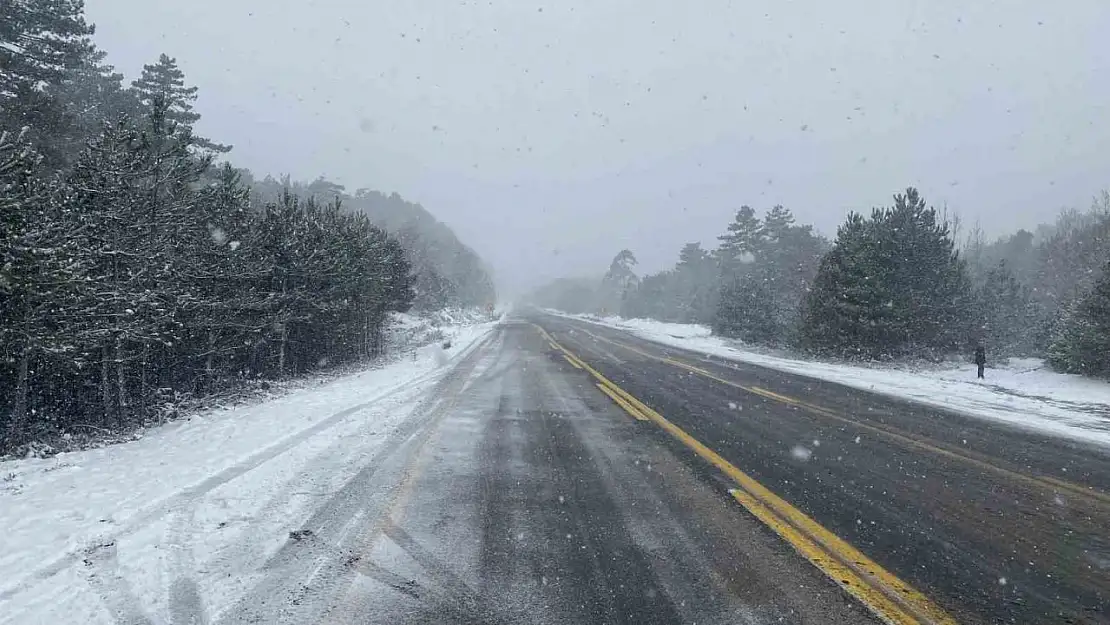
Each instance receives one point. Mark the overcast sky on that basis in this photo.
(551, 134)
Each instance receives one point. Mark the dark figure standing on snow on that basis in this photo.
(980, 359)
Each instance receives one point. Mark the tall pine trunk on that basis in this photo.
(105, 382)
(281, 352)
(376, 346)
(22, 382)
(143, 384)
(284, 333)
(19, 407)
(209, 362)
(121, 381)
(364, 347)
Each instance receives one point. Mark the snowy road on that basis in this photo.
(513, 484)
(536, 500)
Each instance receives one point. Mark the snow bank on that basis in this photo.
(58, 511)
(408, 331)
(1022, 392)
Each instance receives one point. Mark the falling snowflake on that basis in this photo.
(800, 453)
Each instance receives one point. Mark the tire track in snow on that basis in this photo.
(251, 546)
(104, 576)
(186, 607)
(189, 495)
(447, 594)
(308, 570)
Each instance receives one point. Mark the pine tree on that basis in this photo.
(776, 224)
(1006, 317)
(834, 314)
(651, 298)
(162, 87)
(218, 299)
(19, 196)
(41, 38)
(746, 309)
(39, 266)
(87, 97)
(1082, 341)
(893, 284)
(759, 301)
(618, 282)
(740, 240)
(1072, 257)
(40, 42)
(695, 285)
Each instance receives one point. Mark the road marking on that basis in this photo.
(1044, 482)
(845, 576)
(884, 594)
(572, 363)
(1050, 483)
(629, 408)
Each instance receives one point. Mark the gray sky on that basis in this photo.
(551, 134)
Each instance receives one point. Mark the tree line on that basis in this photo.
(447, 273)
(135, 269)
(895, 283)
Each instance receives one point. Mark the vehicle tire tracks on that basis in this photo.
(103, 575)
(304, 574)
(186, 605)
(322, 462)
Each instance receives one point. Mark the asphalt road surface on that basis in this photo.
(992, 523)
(569, 473)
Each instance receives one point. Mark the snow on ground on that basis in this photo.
(1022, 392)
(94, 536)
(407, 330)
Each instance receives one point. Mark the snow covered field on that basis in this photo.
(1022, 392)
(99, 535)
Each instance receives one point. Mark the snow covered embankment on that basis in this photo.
(1022, 392)
(409, 331)
(90, 536)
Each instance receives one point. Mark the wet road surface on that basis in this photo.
(569, 473)
(993, 523)
(525, 495)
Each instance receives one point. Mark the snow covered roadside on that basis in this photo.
(97, 535)
(408, 330)
(1022, 392)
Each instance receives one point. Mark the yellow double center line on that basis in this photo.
(889, 598)
(1037, 482)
